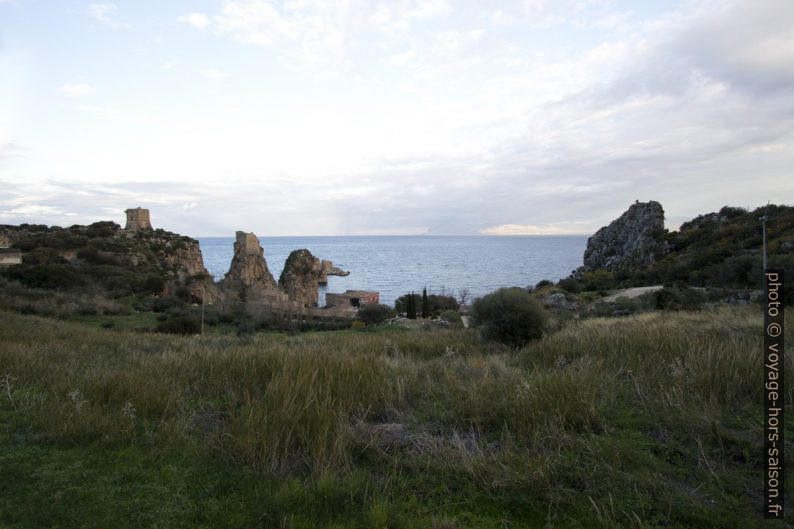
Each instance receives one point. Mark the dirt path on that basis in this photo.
(631, 293)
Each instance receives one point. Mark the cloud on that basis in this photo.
(104, 14)
(76, 89)
(213, 74)
(197, 20)
(116, 115)
(541, 117)
(525, 229)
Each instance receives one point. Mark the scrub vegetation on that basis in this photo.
(651, 420)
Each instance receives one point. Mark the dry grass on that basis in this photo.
(545, 421)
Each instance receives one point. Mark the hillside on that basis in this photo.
(720, 250)
(104, 260)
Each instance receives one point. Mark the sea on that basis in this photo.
(396, 265)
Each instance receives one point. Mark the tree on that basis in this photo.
(375, 314)
(411, 312)
(463, 295)
(425, 305)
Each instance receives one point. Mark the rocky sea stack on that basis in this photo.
(635, 238)
(248, 271)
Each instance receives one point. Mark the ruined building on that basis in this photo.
(138, 219)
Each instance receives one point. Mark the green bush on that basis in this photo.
(61, 276)
(509, 315)
(153, 284)
(180, 325)
(103, 228)
(679, 298)
(43, 256)
(437, 303)
(571, 285)
(452, 317)
(375, 314)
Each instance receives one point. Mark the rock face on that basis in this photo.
(558, 301)
(635, 238)
(327, 268)
(300, 277)
(248, 272)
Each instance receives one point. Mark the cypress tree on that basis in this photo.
(425, 304)
(411, 312)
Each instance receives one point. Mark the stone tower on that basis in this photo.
(138, 219)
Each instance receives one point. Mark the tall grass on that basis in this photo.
(612, 419)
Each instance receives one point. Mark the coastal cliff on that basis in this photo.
(103, 256)
(634, 238)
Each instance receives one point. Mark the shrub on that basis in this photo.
(679, 298)
(571, 285)
(598, 280)
(180, 325)
(509, 315)
(61, 276)
(436, 303)
(375, 314)
(452, 317)
(153, 284)
(543, 283)
(165, 303)
(42, 256)
(102, 229)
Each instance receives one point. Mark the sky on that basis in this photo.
(356, 117)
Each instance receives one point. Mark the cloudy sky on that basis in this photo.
(325, 117)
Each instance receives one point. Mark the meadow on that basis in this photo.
(652, 420)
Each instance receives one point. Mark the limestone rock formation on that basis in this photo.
(300, 277)
(248, 273)
(558, 300)
(327, 268)
(635, 238)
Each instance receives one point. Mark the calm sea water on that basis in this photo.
(395, 265)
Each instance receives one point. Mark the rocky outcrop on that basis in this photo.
(248, 273)
(635, 238)
(327, 268)
(300, 277)
(557, 301)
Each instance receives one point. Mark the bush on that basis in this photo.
(679, 298)
(375, 314)
(509, 315)
(153, 284)
(102, 229)
(571, 285)
(598, 280)
(60, 276)
(180, 325)
(42, 256)
(452, 317)
(436, 303)
(166, 303)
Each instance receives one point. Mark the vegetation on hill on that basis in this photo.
(719, 250)
(102, 259)
(646, 421)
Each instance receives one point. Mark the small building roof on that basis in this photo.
(355, 293)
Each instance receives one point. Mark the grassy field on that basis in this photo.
(648, 421)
